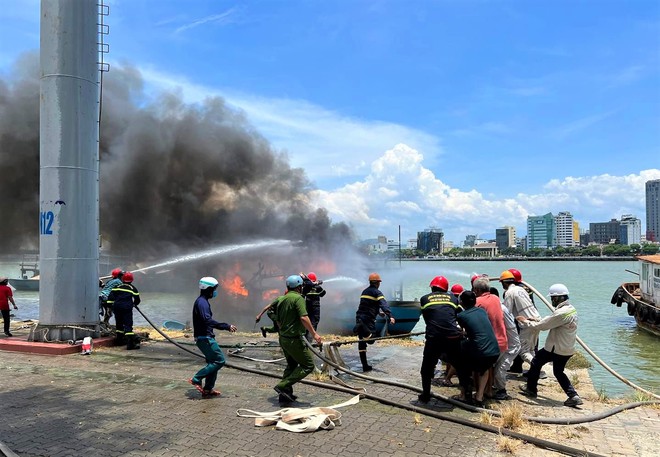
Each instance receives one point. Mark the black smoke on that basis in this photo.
(174, 176)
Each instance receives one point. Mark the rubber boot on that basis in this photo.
(365, 364)
(120, 339)
(133, 342)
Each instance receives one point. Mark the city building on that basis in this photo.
(505, 238)
(605, 232)
(521, 243)
(430, 240)
(653, 210)
(576, 234)
(486, 249)
(564, 229)
(541, 231)
(585, 238)
(469, 241)
(631, 230)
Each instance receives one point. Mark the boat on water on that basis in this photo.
(643, 298)
(406, 315)
(25, 284)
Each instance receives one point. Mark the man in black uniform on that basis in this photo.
(312, 291)
(123, 298)
(372, 302)
(443, 335)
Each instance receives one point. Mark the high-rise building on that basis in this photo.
(576, 234)
(541, 231)
(564, 229)
(430, 240)
(653, 210)
(605, 232)
(631, 230)
(505, 238)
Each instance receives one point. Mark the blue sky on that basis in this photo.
(463, 115)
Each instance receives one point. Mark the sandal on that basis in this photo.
(197, 386)
(211, 393)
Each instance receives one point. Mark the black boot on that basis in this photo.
(133, 342)
(120, 339)
(365, 364)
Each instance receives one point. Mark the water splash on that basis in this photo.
(342, 278)
(216, 252)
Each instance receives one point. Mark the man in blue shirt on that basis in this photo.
(203, 325)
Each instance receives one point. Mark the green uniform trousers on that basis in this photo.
(299, 361)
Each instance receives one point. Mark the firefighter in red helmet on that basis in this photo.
(123, 299)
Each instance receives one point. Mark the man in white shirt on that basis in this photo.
(559, 345)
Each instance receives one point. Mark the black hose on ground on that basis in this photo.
(539, 420)
(415, 408)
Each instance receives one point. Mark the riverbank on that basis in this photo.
(116, 402)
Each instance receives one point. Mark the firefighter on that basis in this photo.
(372, 302)
(443, 335)
(115, 281)
(312, 291)
(122, 299)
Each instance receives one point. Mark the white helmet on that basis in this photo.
(557, 290)
(207, 282)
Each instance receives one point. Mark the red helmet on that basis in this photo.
(456, 289)
(312, 276)
(117, 272)
(441, 282)
(517, 275)
(475, 277)
(128, 277)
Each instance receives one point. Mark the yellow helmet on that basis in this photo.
(507, 276)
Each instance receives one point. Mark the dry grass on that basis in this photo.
(320, 376)
(486, 418)
(575, 379)
(512, 416)
(602, 396)
(507, 444)
(578, 361)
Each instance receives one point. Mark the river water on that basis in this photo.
(608, 330)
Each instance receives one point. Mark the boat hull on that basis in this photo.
(25, 284)
(405, 313)
(646, 314)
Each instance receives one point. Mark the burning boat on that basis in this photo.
(643, 298)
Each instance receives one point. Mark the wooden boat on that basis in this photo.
(29, 284)
(643, 298)
(405, 313)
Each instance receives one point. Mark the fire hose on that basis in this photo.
(430, 413)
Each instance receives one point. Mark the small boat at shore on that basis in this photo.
(27, 284)
(643, 298)
(406, 315)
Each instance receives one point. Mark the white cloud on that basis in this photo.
(401, 191)
(221, 19)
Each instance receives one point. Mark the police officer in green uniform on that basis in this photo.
(293, 321)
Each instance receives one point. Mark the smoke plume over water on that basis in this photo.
(172, 174)
(176, 178)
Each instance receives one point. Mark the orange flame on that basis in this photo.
(235, 286)
(271, 294)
